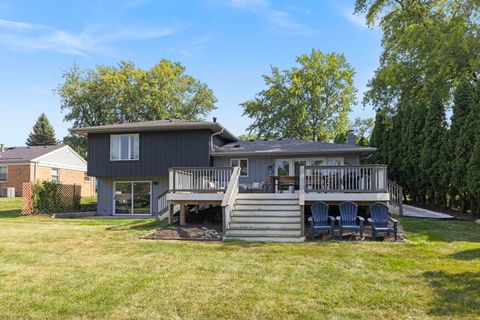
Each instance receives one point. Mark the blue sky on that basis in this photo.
(227, 44)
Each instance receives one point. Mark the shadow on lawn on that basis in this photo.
(136, 225)
(457, 294)
(10, 214)
(471, 254)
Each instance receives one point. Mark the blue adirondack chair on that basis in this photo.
(348, 218)
(379, 220)
(320, 220)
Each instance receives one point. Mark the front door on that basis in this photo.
(132, 197)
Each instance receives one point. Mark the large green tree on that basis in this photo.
(310, 101)
(124, 92)
(43, 133)
(427, 45)
(432, 155)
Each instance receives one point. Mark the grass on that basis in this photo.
(101, 269)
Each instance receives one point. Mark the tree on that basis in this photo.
(473, 176)
(463, 96)
(378, 137)
(109, 94)
(246, 137)
(42, 134)
(432, 157)
(427, 45)
(310, 101)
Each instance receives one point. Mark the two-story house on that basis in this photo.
(146, 168)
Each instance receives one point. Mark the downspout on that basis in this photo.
(213, 135)
(35, 171)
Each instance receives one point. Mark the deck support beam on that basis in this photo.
(170, 214)
(182, 214)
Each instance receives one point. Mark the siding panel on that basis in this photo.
(159, 151)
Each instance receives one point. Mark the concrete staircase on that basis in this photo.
(266, 217)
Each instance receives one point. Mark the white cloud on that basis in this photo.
(281, 20)
(28, 37)
(357, 20)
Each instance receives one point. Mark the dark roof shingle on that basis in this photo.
(25, 154)
(288, 146)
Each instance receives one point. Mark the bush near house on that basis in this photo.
(50, 197)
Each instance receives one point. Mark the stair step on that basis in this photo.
(276, 196)
(264, 232)
(265, 219)
(265, 213)
(266, 207)
(267, 201)
(263, 226)
(266, 238)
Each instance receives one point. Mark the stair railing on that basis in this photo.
(396, 195)
(230, 197)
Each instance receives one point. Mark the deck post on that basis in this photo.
(302, 220)
(170, 213)
(182, 214)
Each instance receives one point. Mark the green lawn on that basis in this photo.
(94, 269)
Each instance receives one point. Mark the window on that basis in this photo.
(243, 164)
(55, 175)
(3, 173)
(86, 178)
(124, 147)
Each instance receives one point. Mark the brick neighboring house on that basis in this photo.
(45, 163)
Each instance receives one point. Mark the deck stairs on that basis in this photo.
(266, 217)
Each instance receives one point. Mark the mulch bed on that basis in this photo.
(196, 232)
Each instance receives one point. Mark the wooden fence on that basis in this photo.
(64, 197)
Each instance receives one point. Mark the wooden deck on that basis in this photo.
(363, 185)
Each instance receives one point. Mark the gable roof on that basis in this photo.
(286, 146)
(25, 154)
(158, 125)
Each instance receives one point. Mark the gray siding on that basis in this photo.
(159, 151)
(258, 166)
(105, 191)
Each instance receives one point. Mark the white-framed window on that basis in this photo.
(3, 173)
(243, 164)
(124, 147)
(55, 175)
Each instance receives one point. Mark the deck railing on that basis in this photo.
(358, 178)
(214, 179)
(396, 195)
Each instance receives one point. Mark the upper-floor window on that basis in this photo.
(55, 175)
(3, 173)
(243, 164)
(124, 147)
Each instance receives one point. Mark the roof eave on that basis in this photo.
(214, 126)
(364, 151)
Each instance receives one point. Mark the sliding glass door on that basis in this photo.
(132, 197)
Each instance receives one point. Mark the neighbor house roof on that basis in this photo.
(158, 125)
(287, 146)
(25, 154)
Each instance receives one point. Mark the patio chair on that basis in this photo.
(258, 187)
(348, 218)
(379, 220)
(320, 220)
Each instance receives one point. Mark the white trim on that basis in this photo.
(350, 196)
(132, 214)
(55, 165)
(37, 159)
(120, 146)
(239, 160)
(6, 174)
